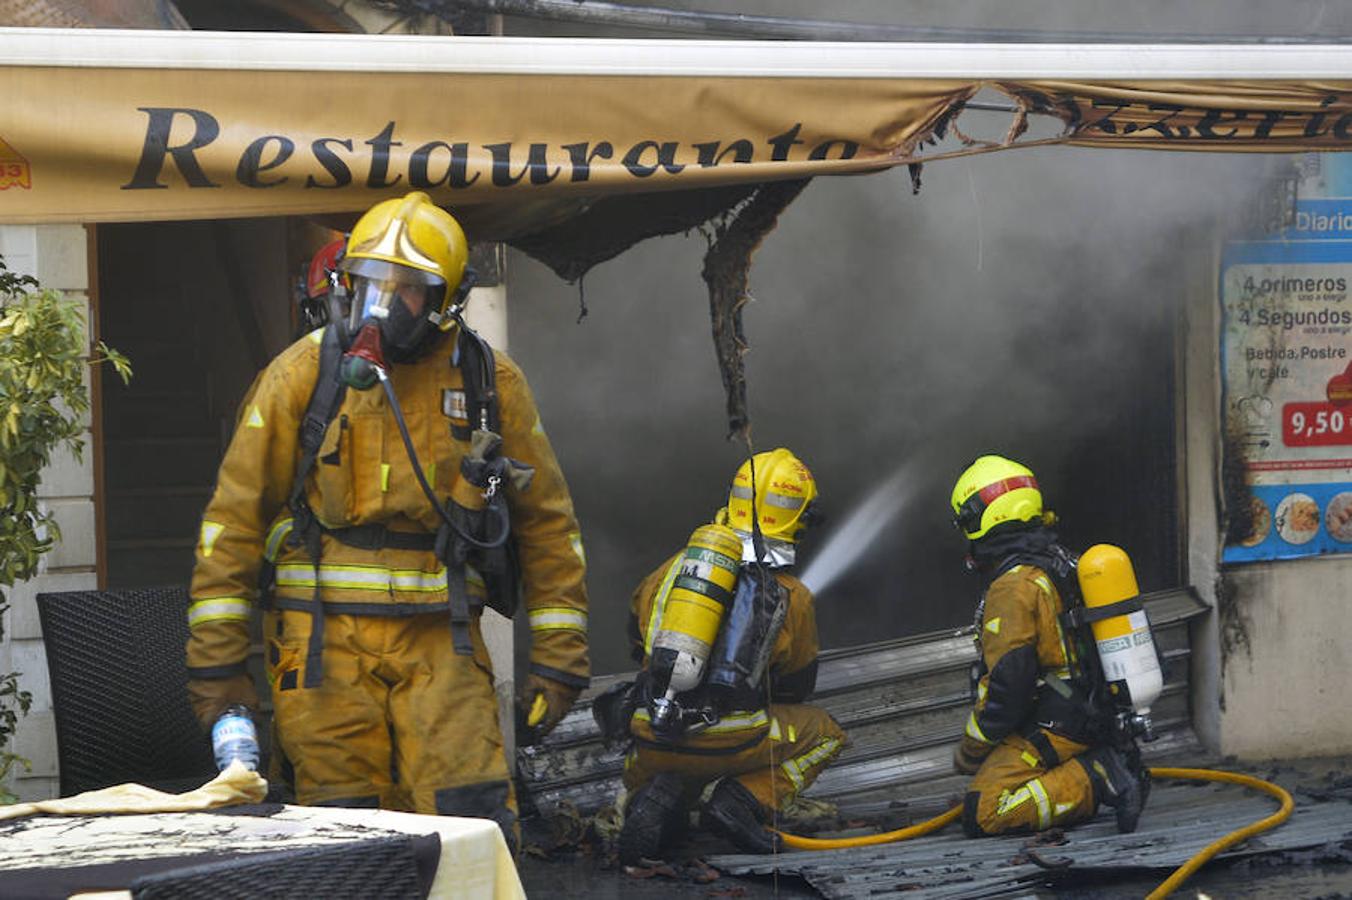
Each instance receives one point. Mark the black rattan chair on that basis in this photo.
(382, 867)
(117, 668)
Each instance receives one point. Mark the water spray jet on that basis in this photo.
(845, 544)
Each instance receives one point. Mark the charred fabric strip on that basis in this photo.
(611, 225)
(727, 265)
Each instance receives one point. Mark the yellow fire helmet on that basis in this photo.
(783, 490)
(994, 490)
(410, 238)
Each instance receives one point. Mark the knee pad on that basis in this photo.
(653, 819)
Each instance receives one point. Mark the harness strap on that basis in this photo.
(1087, 615)
(378, 537)
(325, 400)
(451, 552)
(378, 610)
(474, 358)
(1050, 758)
(460, 616)
(314, 652)
(696, 750)
(1059, 686)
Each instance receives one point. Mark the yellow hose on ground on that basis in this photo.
(1170, 884)
(867, 840)
(1185, 871)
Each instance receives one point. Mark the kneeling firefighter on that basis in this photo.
(374, 525)
(1052, 733)
(728, 642)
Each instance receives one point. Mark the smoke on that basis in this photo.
(855, 535)
(1027, 302)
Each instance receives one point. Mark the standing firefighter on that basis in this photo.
(375, 497)
(728, 642)
(1040, 738)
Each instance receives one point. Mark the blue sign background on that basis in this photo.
(1321, 233)
(1274, 545)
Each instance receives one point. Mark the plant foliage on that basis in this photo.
(44, 357)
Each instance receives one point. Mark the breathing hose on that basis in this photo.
(506, 528)
(1167, 887)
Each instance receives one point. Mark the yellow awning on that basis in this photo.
(518, 134)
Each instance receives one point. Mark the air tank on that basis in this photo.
(1125, 647)
(692, 605)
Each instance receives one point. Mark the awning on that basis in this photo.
(574, 150)
(518, 134)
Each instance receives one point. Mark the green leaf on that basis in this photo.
(43, 343)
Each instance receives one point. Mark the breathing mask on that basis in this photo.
(391, 316)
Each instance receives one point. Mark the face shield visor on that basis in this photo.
(398, 301)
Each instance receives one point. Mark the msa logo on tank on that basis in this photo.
(14, 169)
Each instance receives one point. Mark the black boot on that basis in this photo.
(653, 819)
(734, 813)
(1117, 784)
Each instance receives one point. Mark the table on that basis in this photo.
(121, 856)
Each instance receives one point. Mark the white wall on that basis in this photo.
(1267, 664)
(1200, 445)
(1284, 690)
(57, 255)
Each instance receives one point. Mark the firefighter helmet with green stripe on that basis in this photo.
(780, 496)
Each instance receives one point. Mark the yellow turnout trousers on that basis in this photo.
(1029, 785)
(775, 753)
(400, 720)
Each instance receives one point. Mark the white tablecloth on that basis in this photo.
(475, 863)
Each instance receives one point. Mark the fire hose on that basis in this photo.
(1167, 887)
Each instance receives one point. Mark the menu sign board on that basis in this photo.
(1286, 362)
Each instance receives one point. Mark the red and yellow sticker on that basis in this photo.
(14, 171)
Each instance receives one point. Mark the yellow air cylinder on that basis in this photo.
(1125, 646)
(693, 603)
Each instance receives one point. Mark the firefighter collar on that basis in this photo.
(778, 554)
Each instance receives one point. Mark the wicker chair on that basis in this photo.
(381, 867)
(117, 668)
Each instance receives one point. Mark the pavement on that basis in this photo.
(579, 862)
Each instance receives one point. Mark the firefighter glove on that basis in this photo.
(541, 706)
(965, 761)
(485, 460)
(212, 696)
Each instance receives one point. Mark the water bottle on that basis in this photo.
(233, 737)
